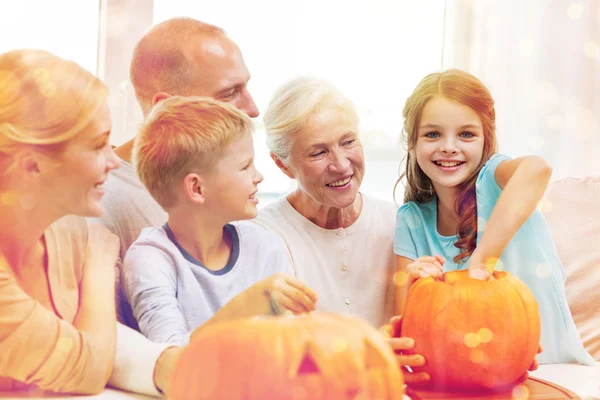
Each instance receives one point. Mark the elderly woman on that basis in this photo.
(58, 327)
(339, 239)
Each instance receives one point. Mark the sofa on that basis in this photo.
(572, 210)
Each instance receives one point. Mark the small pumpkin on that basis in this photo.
(316, 356)
(473, 334)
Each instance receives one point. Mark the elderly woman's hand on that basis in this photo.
(534, 364)
(406, 361)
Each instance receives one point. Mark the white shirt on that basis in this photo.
(351, 269)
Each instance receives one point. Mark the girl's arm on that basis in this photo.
(524, 181)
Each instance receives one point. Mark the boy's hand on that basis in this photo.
(406, 361)
(425, 266)
(290, 293)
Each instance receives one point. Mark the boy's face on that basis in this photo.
(231, 188)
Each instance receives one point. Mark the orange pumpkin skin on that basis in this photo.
(312, 357)
(473, 334)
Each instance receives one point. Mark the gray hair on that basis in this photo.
(293, 105)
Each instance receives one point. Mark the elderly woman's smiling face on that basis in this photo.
(327, 158)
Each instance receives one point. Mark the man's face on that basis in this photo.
(221, 73)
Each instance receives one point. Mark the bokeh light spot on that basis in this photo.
(471, 340)
(387, 330)
(536, 142)
(542, 270)
(48, 89)
(41, 75)
(545, 205)
(400, 278)
(64, 344)
(592, 50)
(575, 10)
(485, 335)
(9, 199)
(481, 224)
(340, 345)
(520, 392)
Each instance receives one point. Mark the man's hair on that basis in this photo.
(184, 135)
(160, 62)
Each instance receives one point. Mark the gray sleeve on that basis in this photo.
(150, 286)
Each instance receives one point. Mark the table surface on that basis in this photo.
(580, 379)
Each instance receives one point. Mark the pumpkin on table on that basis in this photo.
(315, 356)
(472, 333)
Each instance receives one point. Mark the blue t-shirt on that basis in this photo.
(530, 255)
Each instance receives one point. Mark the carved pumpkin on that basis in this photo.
(311, 357)
(472, 333)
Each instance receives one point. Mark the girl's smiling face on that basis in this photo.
(449, 147)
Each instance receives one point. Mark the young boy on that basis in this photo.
(196, 158)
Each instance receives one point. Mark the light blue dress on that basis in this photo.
(530, 255)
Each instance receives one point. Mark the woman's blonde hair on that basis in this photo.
(462, 88)
(184, 135)
(45, 101)
(294, 104)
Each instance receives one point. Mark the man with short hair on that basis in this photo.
(183, 57)
(180, 56)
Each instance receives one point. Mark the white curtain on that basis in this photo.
(541, 61)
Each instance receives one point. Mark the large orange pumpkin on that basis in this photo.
(311, 357)
(472, 333)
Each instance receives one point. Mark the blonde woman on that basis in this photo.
(57, 312)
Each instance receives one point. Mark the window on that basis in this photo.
(375, 52)
(67, 28)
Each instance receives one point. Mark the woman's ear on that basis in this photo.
(30, 165)
(194, 189)
(284, 168)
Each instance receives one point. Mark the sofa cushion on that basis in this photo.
(572, 209)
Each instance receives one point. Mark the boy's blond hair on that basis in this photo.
(184, 135)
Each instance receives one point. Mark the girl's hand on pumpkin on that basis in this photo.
(426, 266)
(406, 361)
(290, 293)
(481, 269)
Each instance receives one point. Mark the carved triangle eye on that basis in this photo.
(373, 357)
(308, 366)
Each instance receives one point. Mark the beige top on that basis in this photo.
(37, 348)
